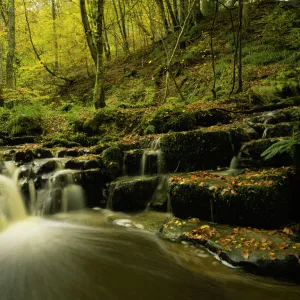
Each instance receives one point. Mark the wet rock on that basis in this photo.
(273, 131)
(133, 194)
(23, 156)
(196, 150)
(211, 117)
(13, 141)
(42, 153)
(267, 252)
(251, 154)
(132, 162)
(260, 198)
(44, 166)
(112, 159)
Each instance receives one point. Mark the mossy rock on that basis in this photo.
(165, 120)
(256, 198)
(112, 158)
(132, 194)
(24, 125)
(93, 125)
(196, 150)
(60, 142)
(266, 252)
(250, 155)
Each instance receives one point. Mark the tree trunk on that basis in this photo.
(1, 66)
(172, 14)
(11, 46)
(240, 39)
(162, 14)
(88, 31)
(53, 8)
(99, 95)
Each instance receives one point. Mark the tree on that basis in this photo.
(11, 45)
(99, 95)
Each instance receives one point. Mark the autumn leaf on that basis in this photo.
(288, 230)
(204, 226)
(283, 246)
(272, 256)
(246, 253)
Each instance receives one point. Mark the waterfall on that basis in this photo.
(61, 193)
(11, 203)
(155, 151)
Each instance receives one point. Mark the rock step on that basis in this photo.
(260, 198)
(266, 252)
(135, 194)
(250, 154)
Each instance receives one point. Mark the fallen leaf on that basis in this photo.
(288, 230)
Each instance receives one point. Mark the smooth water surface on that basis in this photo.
(87, 255)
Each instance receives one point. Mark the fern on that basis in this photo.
(284, 146)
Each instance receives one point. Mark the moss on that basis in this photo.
(112, 159)
(166, 119)
(196, 150)
(24, 125)
(60, 142)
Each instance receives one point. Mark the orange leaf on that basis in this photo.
(288, 230)
(246, 253)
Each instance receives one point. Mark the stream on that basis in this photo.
(108, 255)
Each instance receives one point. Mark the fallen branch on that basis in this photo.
(293, 101)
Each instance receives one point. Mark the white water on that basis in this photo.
(11, 203)
(153, 151)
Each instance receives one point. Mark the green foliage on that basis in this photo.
(168, 119)
(290, 146)
(284, 146)
(263, 58)
(22, 119)
(278, 23)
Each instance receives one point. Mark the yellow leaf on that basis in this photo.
(204, 226)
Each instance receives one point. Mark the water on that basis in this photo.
(155, 151)
(60, 193)
(105, 255)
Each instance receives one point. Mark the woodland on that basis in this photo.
(199, 99)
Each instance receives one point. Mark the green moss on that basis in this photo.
(167, 119)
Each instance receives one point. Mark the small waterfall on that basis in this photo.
(268, 117)
(72, 198)
(154, 151)
(162, 193)
(112, 187)
(61, 193)
(32, 197)
(11, 203)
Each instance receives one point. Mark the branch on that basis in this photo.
(36, 52)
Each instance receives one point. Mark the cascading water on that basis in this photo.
(61, 193)
(155, 151)
(11, 203)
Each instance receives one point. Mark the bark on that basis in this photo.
(213, 90)
(240, 39)
(88, 31)
(11, 46)
(99, 95)
(54, 15)
(162, 14)
(1, 65)
(172, 14)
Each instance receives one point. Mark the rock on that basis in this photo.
(251, 154)
(22, 156)
(196, 150)
(133, 194)
(42, 153)
(267, 252)
(260, 198)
